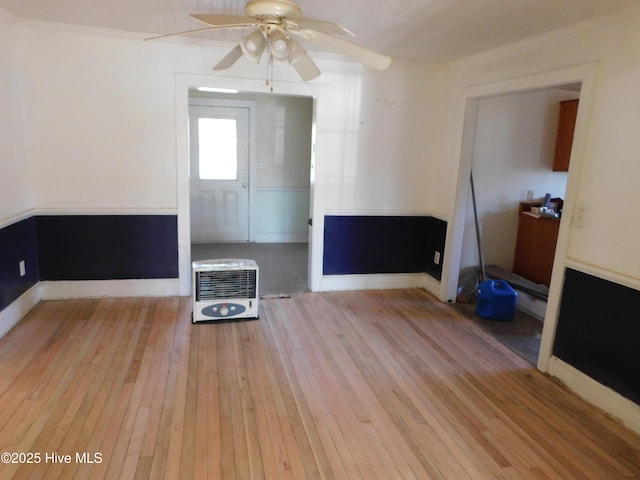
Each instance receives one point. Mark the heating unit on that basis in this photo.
(225, 289)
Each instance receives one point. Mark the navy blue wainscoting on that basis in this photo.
(598, 331)
(107, 247)
(383, 244)
(17, 243)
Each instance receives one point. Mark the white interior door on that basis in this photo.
(219, 173)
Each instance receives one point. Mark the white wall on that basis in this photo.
(512, 154)
(385, 134)
(283, 168)
(284, 141)
(116, 95)
(102, 128)
(15, 189)
(15, 184)
(101, 125)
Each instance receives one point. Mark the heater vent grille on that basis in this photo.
(226, 284)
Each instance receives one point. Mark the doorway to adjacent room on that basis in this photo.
(250, 164)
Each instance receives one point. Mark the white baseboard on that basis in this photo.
(379, 282)
(531, 305)
(109, 288)
(433, 286)
(12, 314)
(282, 238)
(603, 397)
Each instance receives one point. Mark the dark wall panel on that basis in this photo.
(598, 331)
(436, 237)
(382, 244)
(107, 247)
(17, 243)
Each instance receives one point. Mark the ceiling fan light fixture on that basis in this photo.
(253, 45)
(277, 25)
(279, 45)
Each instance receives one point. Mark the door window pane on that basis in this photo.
(218, 145)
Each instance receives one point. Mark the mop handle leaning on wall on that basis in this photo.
(475, 216)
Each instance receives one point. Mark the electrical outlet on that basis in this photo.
(436, 257)
(23, 268)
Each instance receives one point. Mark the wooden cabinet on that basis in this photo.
(535, 247)
(564, 135)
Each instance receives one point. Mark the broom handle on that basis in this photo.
(475, 216)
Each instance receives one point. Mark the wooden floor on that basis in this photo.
(351, 385)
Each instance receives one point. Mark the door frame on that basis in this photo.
(321, 126)
(252, 107)
(468, 108)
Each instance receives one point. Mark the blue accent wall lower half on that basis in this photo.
(598, 331)
(107, 247)
(362, 244)
(17, 243)
(116, 247)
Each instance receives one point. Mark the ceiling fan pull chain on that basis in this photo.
(269, 63)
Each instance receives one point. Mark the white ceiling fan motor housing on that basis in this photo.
(279, 8)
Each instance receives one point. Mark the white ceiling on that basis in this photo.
(435, 31)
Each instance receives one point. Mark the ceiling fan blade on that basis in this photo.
(205, 29)
(215, 22)
(230, 59)
(359, 53)
(301, 61)
(176, 34)
(330, 28)
(225, 21)
(306, 68)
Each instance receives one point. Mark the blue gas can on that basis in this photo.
(496, 300)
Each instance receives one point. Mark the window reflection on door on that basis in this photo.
(218, 149)
(219, 184)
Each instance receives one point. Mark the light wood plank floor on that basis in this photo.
(351, 385)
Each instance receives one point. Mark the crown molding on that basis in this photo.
(625, 15)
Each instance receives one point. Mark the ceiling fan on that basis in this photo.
(276, 26)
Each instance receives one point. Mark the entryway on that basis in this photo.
(584, 76)
(512, 163)
(250, 183)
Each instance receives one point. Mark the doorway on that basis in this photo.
(270, 197)
(512, 164)
(583, 75)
